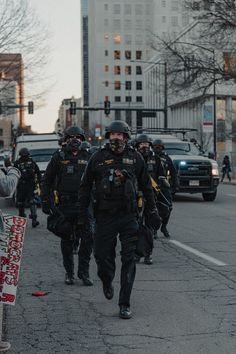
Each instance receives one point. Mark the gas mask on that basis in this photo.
(117, 146)
(74, 144)
(144, 151)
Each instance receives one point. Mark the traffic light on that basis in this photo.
(107, 105)
(30, 107)
(72, 108)
(0, 107)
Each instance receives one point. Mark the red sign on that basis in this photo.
(12, 231)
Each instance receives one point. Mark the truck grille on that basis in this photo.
(195, 169)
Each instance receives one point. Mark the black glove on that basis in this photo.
(46, 208)
(154, 219)
(7, 162)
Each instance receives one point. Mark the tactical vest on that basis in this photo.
(27, 169)
(115, 181)
(71, 169)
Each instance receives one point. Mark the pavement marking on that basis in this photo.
(231, 195)
(198, 253)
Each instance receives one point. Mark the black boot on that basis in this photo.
(165, 231)
(148, 260)
(125, 312)
(69, 279)
(108, 291)
(35, 223)
(85, 279)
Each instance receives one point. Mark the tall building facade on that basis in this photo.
(65, 119)
(116, 43)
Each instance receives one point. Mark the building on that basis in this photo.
(115, 45)
(12, 71)
(65, 119)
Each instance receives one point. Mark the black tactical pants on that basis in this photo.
(25, 198)
(108, 226)
(83, 236)
(164, 205)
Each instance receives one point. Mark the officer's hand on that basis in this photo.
(46, 209)
(154, 219)
(7, 162)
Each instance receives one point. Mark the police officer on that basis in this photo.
(143, 144)
(28, 183)
(62, 178)
(116, 170)
(158, 147)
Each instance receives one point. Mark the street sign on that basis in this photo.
(208, 118)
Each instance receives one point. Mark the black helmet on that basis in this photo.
(118, 126)
(24, 152)
(158, 142)
(85, 145)
(143, 138)
(73, 131)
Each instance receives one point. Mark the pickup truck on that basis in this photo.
(197, 173)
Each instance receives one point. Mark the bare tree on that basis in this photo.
(21, 33)
(198, 58)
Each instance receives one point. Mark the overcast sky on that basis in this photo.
(63, 17)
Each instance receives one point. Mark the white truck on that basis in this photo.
(41, 147)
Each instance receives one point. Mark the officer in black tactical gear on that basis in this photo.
(62, 180)
(116, 170)
(29, 181)
(158, 147)
(143, 144)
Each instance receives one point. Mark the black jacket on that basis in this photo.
(101, 164)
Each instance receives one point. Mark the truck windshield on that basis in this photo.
(181, 148)
(42, 155)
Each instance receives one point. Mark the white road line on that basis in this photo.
(198, 253)
(231, 195)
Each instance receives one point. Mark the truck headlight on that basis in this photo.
(215, 169)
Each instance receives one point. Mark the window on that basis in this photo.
(138, 70)
(128, 25)
(128, 39)
(117, 38)
(174, 5)
(185, 20)
(117, 69)
(138, 9)
(106, 53)
(116, 25)
(139, 99)
(116, 9)
(128, 85)
(163, 19)
(163, 3)
(138, 54)
(107, 83)
(139, 24)
(106, 68)
(139, 85)
(127, 9)
(117, 54)
(1, 132)
(106, 22)
(117, 115)
(174, 21)
(128, 54)
(117, 85)
(128, 117)
(128, 70)
(117, 99)
(229, 63)
(128, 99)
(105, 7)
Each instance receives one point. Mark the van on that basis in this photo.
(41, 147)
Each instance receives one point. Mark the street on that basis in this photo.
(184, 303)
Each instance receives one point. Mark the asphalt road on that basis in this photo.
(185, 303)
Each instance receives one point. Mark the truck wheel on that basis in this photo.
(209, 197)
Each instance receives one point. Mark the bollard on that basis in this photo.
(4, 346)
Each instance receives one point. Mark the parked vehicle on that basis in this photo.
(40, 146)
